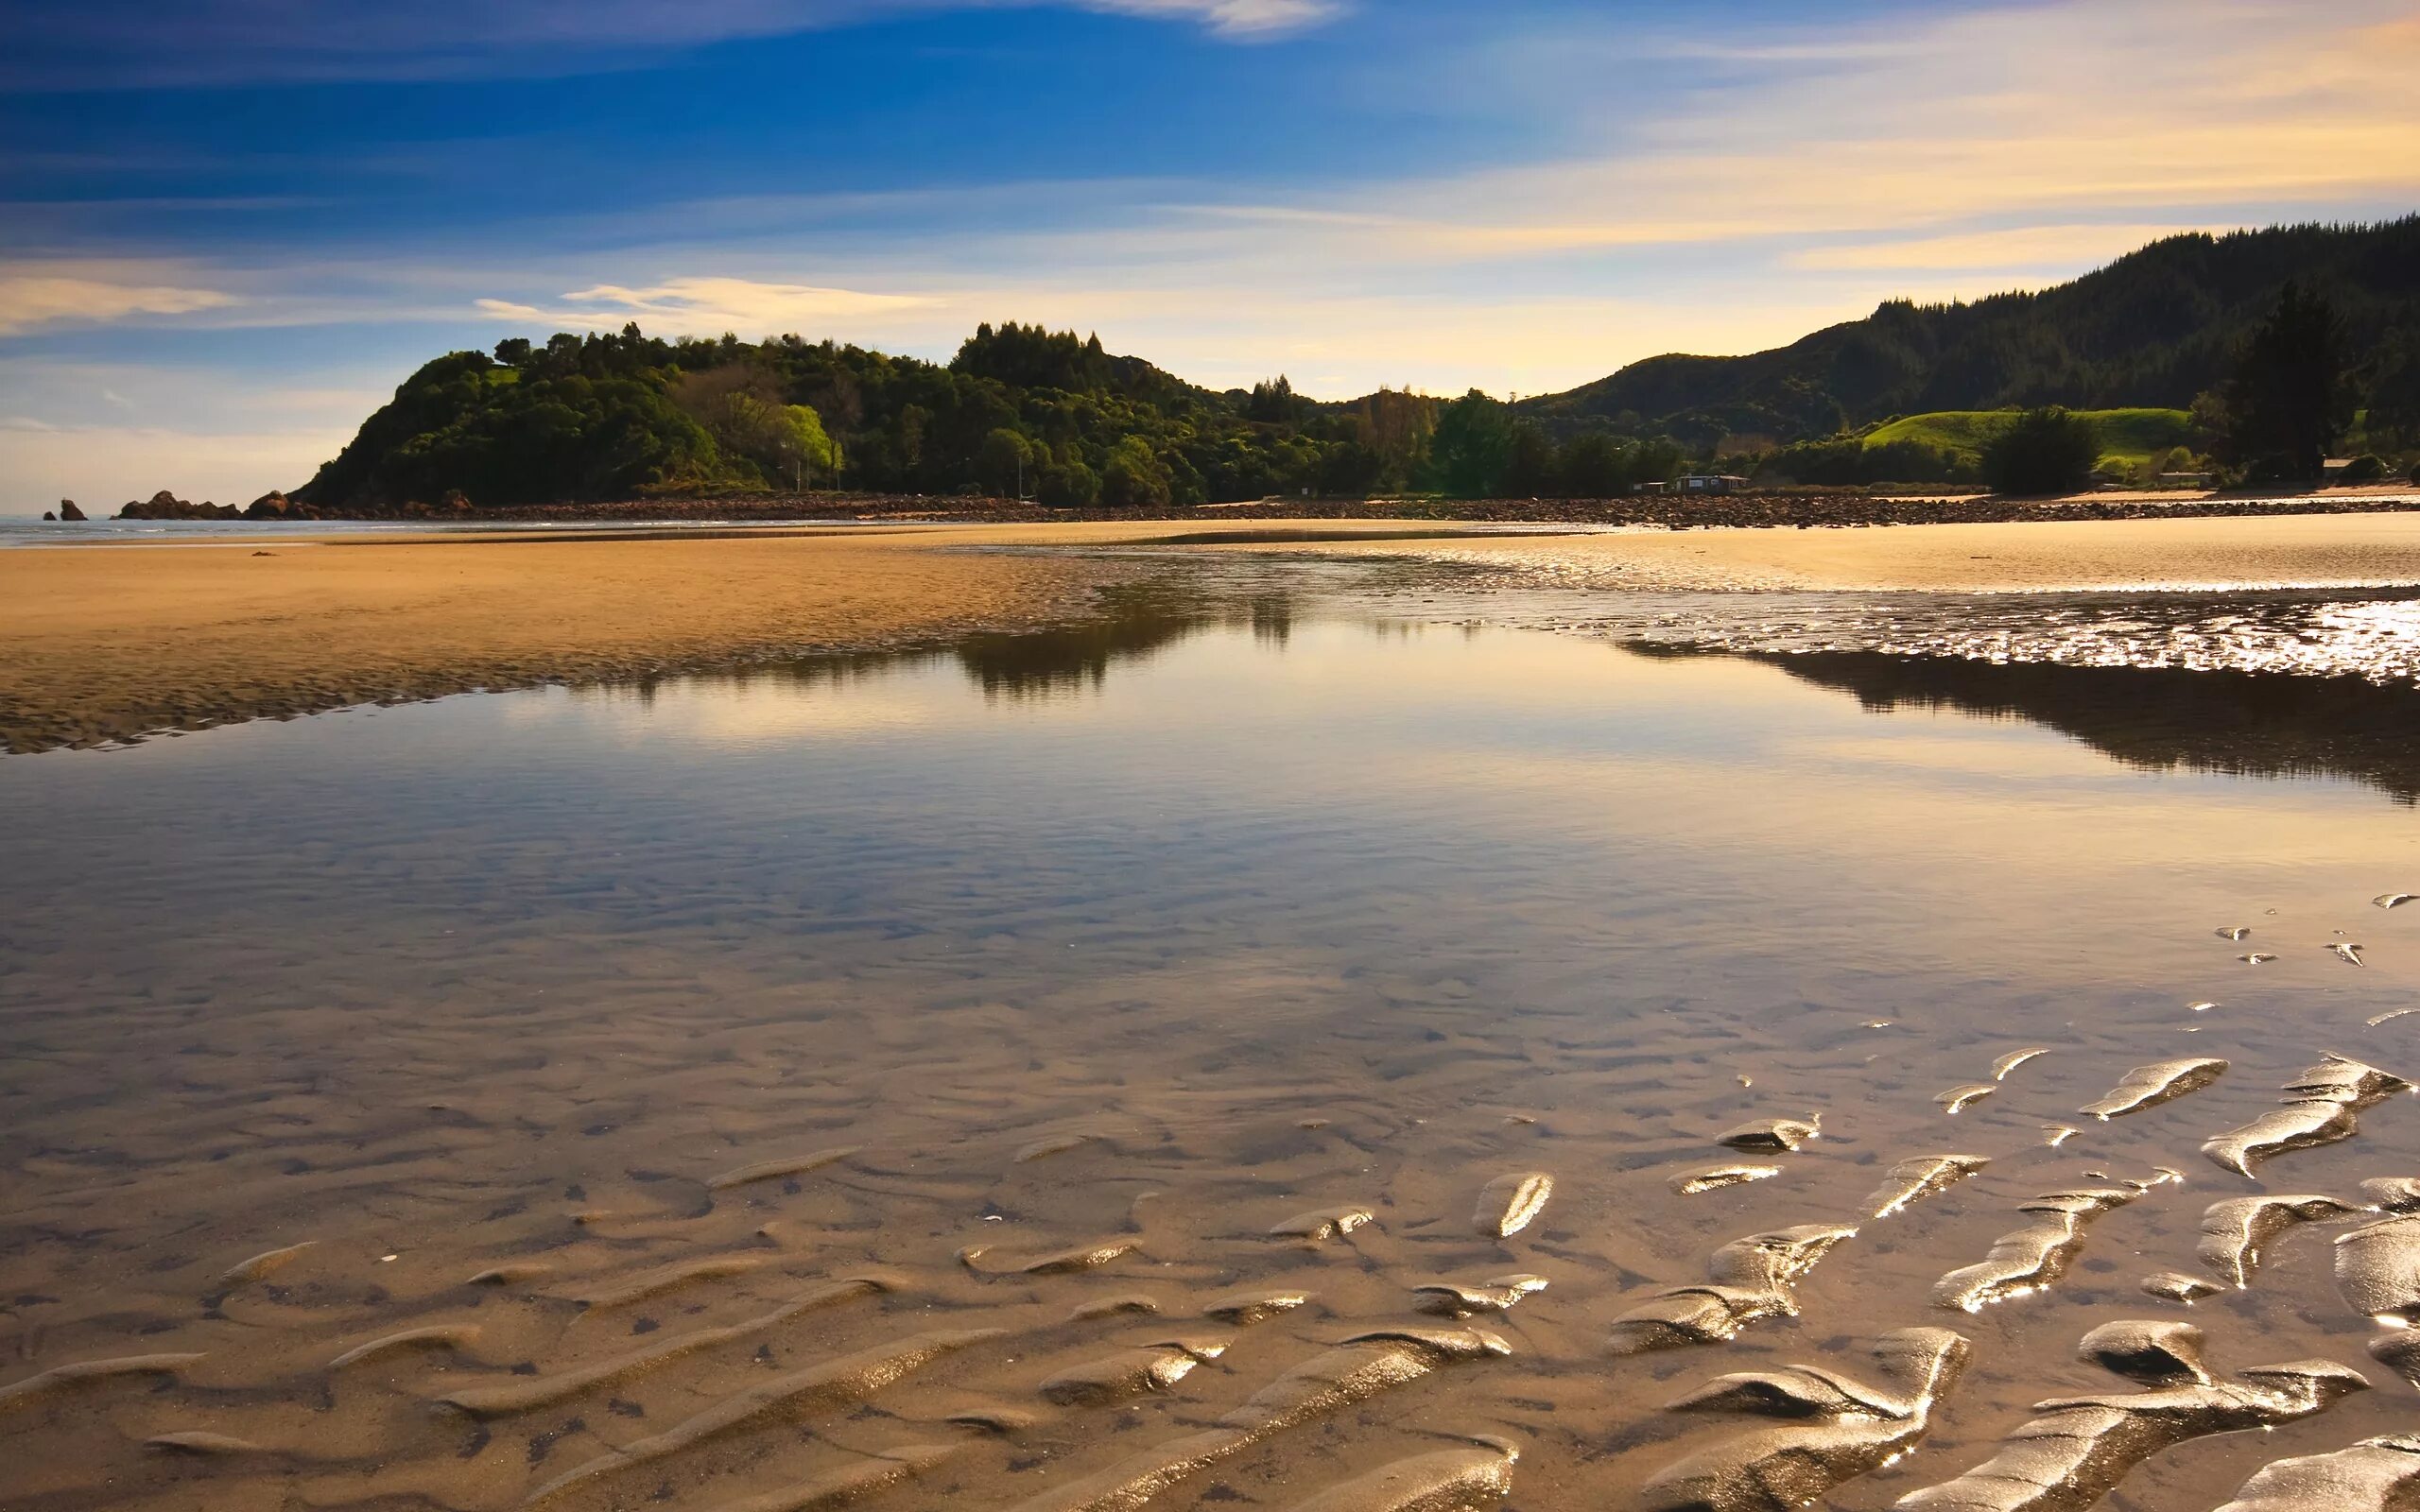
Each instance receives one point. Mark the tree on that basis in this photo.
(2394, 419)
(1132, 479)
(1532, 466)
(1472, 443)
(1594, 467)
(802, 442)
(1005, 462)
(2046, 451)
(2290, 398)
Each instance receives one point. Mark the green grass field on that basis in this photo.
(2128, 435)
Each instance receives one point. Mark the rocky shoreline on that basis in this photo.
(1803, 508)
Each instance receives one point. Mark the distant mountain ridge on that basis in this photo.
(2153, 328)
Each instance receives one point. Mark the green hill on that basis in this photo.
(2128, 435)
(2155, 327)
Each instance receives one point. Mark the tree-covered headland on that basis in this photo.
(2252, 356)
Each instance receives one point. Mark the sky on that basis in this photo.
(230, 228)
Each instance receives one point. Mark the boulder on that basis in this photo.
(67, 510)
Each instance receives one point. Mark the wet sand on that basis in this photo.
(110, 642)
(918, 1106)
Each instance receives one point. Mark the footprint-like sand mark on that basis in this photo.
(2380, 1474)
(1360, 1369)
(2075, 1450)
(2322, 1105)
(1849, 1428)
(1748, 1280)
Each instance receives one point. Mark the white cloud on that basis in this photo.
(37, 296)
(708, 306)
(1232, 18)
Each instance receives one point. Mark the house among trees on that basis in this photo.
(1708, 483)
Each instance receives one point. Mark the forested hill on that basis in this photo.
(1053, 417)
(2156, 327)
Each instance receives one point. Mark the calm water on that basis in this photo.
(1278, 907)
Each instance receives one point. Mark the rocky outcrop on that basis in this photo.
(166, 506)
(68, 511)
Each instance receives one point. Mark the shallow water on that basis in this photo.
(1280, 907)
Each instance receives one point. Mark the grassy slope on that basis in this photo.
(2128, 435)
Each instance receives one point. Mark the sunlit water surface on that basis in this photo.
(1281, 909)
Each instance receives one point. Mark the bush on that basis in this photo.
(2367, 468)
(2047, 452)
(2414, 475)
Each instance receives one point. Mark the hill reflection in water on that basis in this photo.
(2241, 724)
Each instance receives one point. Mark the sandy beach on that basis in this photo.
(112, 642)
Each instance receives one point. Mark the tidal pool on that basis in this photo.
(878, 1079)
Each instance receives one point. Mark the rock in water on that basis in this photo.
(2375, 1475)
(2322, 1105)
(2234, 1229)
(1453, 1480)
(2159, 1082)
(1507, 1204)
(1749, 1279)
(1852, 1428)
(67, 511)
(2075, 1450)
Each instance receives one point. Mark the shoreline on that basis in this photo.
(100, 646)
(1809, 507)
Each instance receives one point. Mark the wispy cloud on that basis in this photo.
(32, 298)
(708, 306)
(2018, 248)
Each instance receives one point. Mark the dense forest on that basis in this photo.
(1020, 410)
(1023, 411)
(2157, 327)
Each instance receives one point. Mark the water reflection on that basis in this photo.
(1136, 622)
(2158, 719)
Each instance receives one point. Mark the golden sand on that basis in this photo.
(114, 640)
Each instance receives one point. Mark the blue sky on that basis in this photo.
(233, 226)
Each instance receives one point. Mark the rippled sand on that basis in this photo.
(1154, 1064)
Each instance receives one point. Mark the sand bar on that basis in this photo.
(110, 642)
